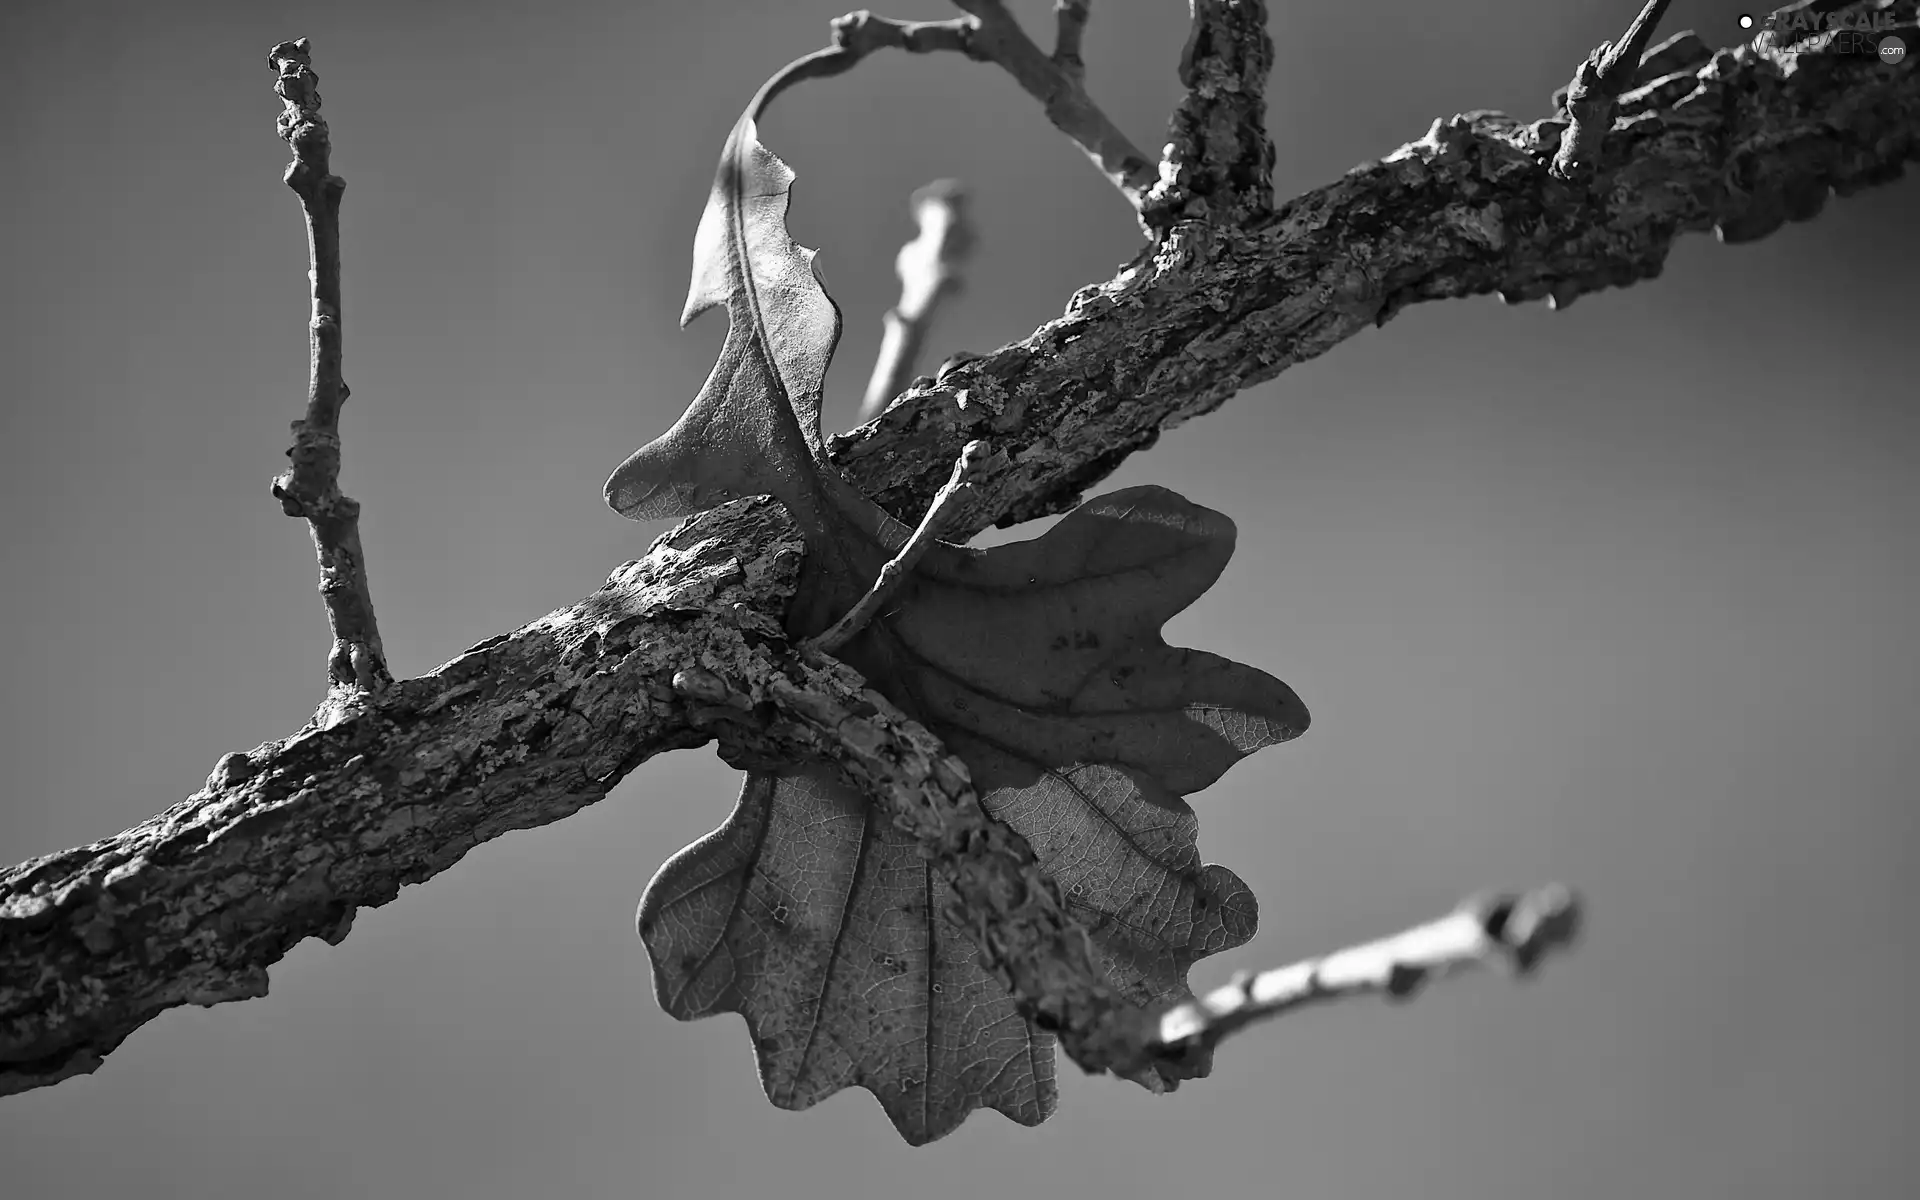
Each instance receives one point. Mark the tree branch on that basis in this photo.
(990, 34)
(1011, 909)
(1060, 92)
(1740, 144)
(1515, 932)
(1070, 27)
(285, 842)
(928, 269)
(1684, 51)
(1219, 159)
(357, 664)
(818, 708)
(1596, 86)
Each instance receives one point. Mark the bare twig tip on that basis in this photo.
(929, 270)
(296, 50)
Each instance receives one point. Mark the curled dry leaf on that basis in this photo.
(1039, 663)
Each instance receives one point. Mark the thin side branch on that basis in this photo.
(310, 488)
(1070, 28)
(990, 34)
(1219, 159)
(1684, 51)
(1015, 913)
(1597, 83)
(1000, 39)
(901, 565)
(859, 34)
(1512, 931)
(928, 267)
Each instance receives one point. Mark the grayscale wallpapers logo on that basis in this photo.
(1868, 33)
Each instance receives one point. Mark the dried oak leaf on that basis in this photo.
(1039, 663)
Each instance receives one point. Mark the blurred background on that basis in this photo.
(1611, 595)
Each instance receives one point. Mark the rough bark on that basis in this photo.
(1734, 141)
(287, 841)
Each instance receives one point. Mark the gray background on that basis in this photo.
(1611, 595)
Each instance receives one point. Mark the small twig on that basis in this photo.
(1511, 931)
(927, 269)
(1219, 162)
(1599, 81)
(901, 564)
(1000, 38)
(859, 34)
(1684, 51)
(1070, 26)
(310, 488)
(989, 33)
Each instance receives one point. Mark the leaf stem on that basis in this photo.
(900, 566)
